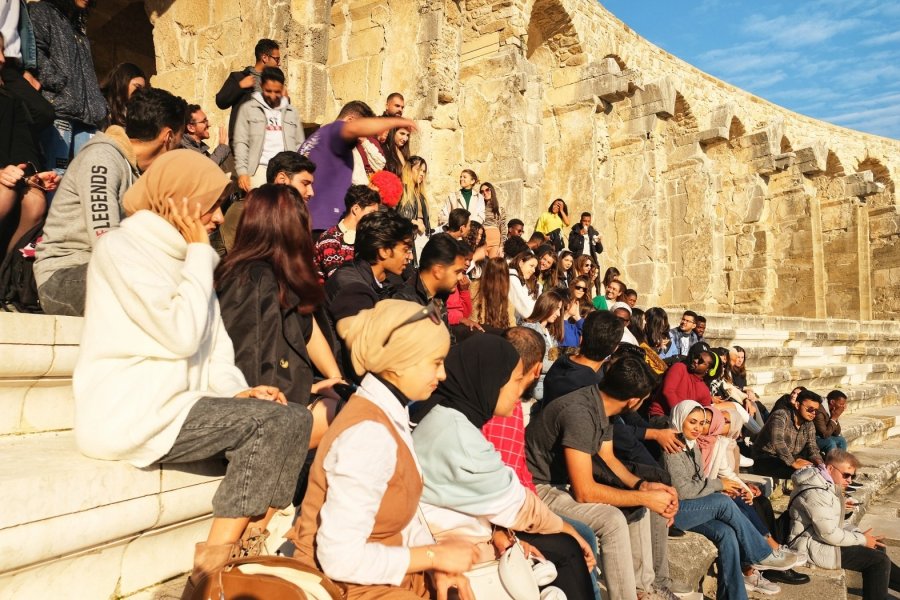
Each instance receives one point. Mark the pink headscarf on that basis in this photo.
(707, 442)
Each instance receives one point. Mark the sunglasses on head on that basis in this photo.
(431, 311)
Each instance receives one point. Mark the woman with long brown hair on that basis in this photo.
(491, 307)
(580, 289)
(268, 290)
(523, 285)
(494, 220)
(396, 150)
(546, 319)
(546, 271)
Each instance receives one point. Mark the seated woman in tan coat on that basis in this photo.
(360, 523)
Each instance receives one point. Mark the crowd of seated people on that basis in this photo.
(290, 304)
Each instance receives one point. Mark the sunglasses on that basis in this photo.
(848, 476)
(277, 59)
(581, 288)
(808, 409)
(431, 312)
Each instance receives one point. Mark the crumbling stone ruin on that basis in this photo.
(706, 195)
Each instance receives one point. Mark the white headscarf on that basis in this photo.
(680, 413)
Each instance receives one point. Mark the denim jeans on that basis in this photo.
(64, 293)
(613, 533)
(828, 444)
(264, 443)
(591, 538)
(63, 141)
(717, 518)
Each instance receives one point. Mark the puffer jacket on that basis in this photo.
(817, 520)
(65, 67)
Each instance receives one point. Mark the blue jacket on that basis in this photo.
(675, 337)
(26, 36)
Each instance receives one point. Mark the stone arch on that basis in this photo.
(833, 166)
(551, 27)
(687, 208)
(736, 129)
(786, 145)
(684, 116)
(880, 216)
(879, 170)
(619, 61)
(120, 31)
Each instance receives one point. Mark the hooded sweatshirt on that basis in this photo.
(87, 204)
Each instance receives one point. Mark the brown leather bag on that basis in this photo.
(267, 578)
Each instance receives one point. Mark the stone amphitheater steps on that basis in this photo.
(108, 530)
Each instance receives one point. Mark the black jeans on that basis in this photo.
(563, 551)
(771, 466)
(878, 572)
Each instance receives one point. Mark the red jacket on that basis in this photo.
(459, 306)
(679, 384)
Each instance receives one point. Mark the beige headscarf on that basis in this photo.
(366, 332)
(177, 174)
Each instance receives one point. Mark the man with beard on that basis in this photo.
(561, 441)
(265, 125)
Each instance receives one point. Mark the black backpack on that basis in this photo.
(783, 522)
(18, 290)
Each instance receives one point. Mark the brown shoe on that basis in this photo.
(253, 542)
(206, 560)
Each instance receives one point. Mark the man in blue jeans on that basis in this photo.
(827, 422)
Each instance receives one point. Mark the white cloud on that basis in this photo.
(797, 30)
(885, 38)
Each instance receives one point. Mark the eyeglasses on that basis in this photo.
(198, 122)
(432, 311)
(581, 288)
(485, 190)
(277, 59)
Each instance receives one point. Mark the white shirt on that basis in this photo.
(521, 300)
(358, 467)
(9, 28)
(586, 249)
(273, 142)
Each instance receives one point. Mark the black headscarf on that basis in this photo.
(476, 370)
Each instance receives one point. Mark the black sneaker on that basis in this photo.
(675, 532)
(790, 577)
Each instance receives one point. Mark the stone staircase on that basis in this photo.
(79, 528)
(72, 527)
(862, 360)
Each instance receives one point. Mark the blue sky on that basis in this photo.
(836, 60)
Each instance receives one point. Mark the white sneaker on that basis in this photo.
(746, 461)
(755, 582)
(781, 559)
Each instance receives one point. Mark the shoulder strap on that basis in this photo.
(787, 511)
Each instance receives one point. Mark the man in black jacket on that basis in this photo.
(584, 239)
(241, 84)
(381, 252)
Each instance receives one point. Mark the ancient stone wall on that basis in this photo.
(706, 195)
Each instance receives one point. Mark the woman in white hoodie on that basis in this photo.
(523, 285)
(155, 379)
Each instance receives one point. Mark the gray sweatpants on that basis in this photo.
(265, 444)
